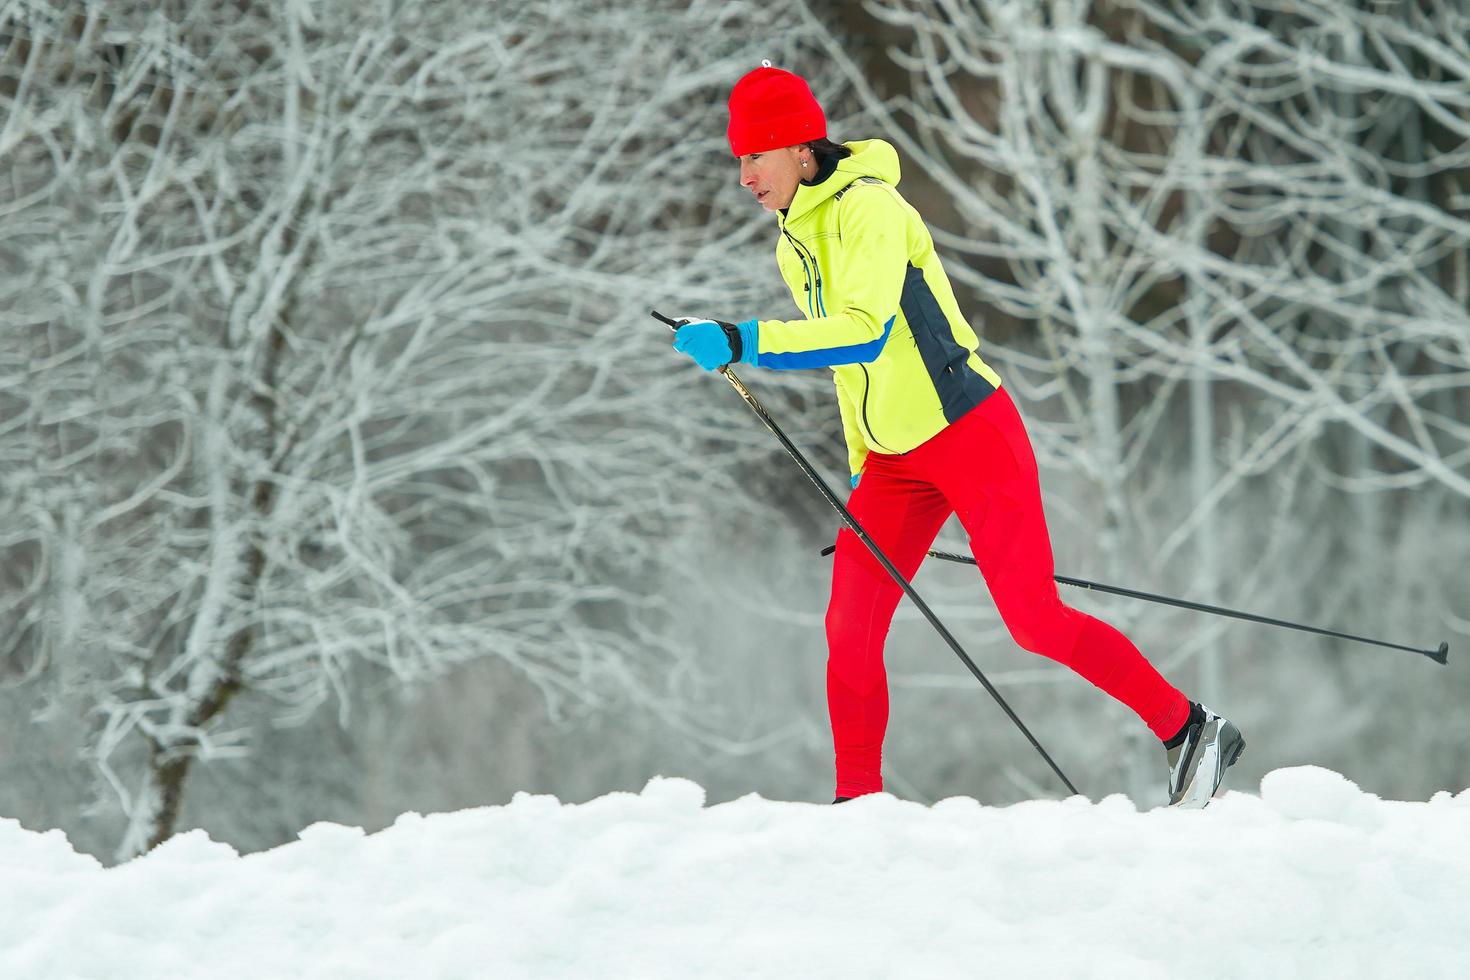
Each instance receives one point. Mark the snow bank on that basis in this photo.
(1312, 878)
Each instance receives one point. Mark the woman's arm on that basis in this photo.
(857, 449)
(874, 259)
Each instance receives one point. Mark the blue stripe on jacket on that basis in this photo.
(829, 356)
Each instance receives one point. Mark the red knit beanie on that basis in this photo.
(771, 108)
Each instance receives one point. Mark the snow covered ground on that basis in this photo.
(1310, 878)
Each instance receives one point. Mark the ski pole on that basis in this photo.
(903, 583)
(1439, 655)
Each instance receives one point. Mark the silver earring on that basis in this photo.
(803, 163)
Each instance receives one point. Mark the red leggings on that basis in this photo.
(982, 468)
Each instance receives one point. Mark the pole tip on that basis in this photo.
(1443, 653)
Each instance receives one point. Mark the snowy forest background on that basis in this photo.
(343, 472)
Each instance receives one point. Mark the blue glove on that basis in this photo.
(855, 478)
(715, 343)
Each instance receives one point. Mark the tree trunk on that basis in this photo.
(169, 765)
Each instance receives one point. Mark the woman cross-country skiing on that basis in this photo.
(930, 431)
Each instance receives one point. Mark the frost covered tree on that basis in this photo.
(324, 349)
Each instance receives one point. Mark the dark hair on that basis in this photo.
(824, 149)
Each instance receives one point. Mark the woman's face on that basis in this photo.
(773, 176)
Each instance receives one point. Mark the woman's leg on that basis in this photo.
(984, 464)
(902, 516)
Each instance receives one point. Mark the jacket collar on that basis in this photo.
(869, 158)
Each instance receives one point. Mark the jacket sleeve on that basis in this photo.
(875, 255)
(857, 449)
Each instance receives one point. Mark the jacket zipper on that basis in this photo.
(815, 271)
(868, 383)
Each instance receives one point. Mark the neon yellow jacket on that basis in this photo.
(879, 309)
